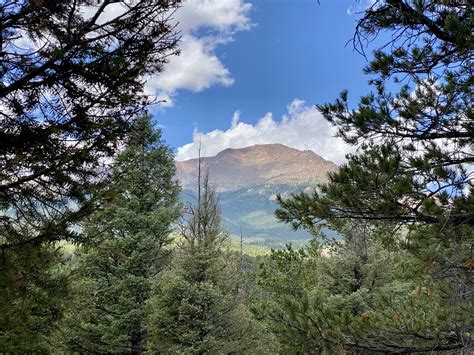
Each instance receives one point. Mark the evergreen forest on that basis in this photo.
(100, 254)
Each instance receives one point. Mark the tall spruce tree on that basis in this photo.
(72, 85)
(197, 305)
(413, 173)
(128, 248)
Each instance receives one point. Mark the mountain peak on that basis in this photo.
(269, 164)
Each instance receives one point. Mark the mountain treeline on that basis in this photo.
(98, 254)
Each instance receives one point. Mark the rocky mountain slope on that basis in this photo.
(248, 179)
(267, 164)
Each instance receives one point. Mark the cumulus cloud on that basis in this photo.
(303, 127)
(196, 69)
(204, 25)
(225, 15)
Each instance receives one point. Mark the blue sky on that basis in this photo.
(272, 61)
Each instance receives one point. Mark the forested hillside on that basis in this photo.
(248, 180)
(99, 252)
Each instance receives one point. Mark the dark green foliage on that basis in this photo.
(400, 280)
(198, 305)
(69, 95)
(415, 144)
(72, 87)
(196, 308)
(128, 248)
(32, 293)
(358, 296)
(412, 176)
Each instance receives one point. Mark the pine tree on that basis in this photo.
(415, 146)
(130, 246)
(412, 175)
(357, 296)
(70, 93)
(196, 305)
(72, 87)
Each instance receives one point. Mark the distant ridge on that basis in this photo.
(248, 179)
(261, 164)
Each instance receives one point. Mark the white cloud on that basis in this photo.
(111, 12)
(303, 127)
(224, 15)
(197, 67)
(235, 119)
(204, 25)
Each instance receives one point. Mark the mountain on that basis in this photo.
(261, 164)
(247, 181)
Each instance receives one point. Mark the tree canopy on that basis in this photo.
(198, 304)
(412, 176)
(415, 161)
(128, 246)
(73, 74)
(92, 258)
